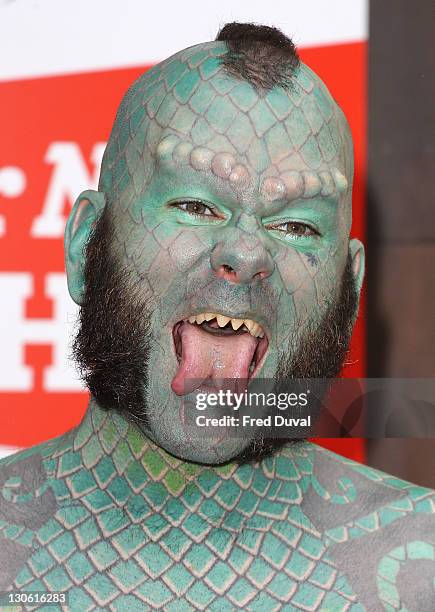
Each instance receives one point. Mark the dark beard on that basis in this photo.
(111, 346)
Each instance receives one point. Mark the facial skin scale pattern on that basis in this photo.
(113, 517)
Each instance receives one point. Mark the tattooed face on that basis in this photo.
(230, 211)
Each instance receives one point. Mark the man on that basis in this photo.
(217, 246)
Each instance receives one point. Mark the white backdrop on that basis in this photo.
(41, 37)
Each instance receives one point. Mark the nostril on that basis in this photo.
(227, 272)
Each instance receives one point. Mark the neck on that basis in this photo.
(108, 442)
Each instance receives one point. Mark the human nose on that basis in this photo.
(242, 260)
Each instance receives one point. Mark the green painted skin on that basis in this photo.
(126, 519)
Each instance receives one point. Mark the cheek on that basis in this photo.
(188, 247)
(309, 280)
(162, 256)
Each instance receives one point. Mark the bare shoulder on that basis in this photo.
(27, 503)
(373, 487)
(380, 528)
(26, 466)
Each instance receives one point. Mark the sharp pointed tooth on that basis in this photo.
(236, 323)
(261, 334)
(209, 316)
(249, 324)
(192, 319)
(222, 321)
(200, 318)
(255, 330)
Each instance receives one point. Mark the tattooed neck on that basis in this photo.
(109, 433)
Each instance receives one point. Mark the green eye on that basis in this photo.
(295, 229)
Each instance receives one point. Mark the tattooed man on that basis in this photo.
(217, 245)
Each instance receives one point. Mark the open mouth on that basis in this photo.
(215, 346)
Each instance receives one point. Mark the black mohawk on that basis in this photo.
(259, 54)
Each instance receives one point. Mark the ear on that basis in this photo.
(87, 208)
(357, 254)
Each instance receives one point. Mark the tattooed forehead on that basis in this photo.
(187, 112)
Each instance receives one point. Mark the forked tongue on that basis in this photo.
(208, 356)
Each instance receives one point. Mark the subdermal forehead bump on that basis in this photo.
(303, 184)
(288, 186)
(171, 149)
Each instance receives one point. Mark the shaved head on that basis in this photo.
(190, 112)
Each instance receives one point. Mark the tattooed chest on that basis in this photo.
(106, 560)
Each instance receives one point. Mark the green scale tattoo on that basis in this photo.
(120, 524)
(216, 244)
